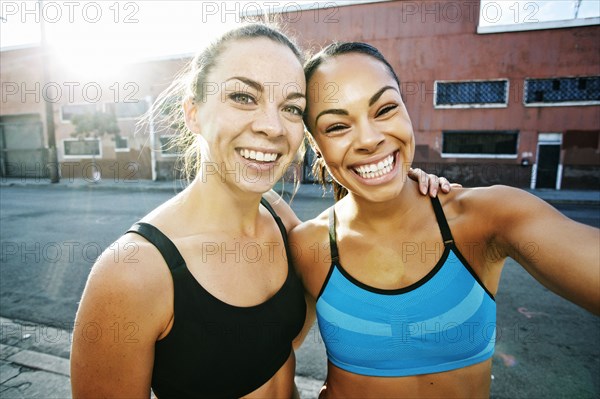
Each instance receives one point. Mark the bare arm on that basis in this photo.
(118, 322)
(560, 253)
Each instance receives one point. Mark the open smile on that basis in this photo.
(378, 169)
(258, 155)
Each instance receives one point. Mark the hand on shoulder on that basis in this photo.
(283, 210)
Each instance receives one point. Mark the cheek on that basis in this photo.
(296, 135)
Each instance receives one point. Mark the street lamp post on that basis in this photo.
(49, 108)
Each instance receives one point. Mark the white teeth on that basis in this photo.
(376, 169)
(258, 155)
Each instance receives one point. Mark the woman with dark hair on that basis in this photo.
(405, 291)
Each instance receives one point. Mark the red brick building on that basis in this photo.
(513, 107)
(518, 108)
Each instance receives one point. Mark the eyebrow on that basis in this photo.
(377, 95)
(252, 83)
(259, 87)
(372, 100)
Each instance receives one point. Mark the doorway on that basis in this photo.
(547, 171)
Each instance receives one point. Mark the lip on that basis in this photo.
(259, 165)
(381, 179)
(372, 160)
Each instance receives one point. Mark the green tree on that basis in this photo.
(95, 124)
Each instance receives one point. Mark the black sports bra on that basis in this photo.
(219, 350)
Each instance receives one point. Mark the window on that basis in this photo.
(121, 144)
(167, 148)
(82, 148)
(70, 110)
(480, 144)
(129, 109)
(476, 94)
(583, 90)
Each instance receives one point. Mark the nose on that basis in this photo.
(268, 121)
(368, 137)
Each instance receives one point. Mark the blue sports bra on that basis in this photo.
(445, 321)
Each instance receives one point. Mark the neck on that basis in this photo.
(221, 206)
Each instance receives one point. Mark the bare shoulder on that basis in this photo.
(495, 201)
(282, 209)
(307, 233)
(133, 262)
(128, 303)
(129, 280)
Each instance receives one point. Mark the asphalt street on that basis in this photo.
(51, 235)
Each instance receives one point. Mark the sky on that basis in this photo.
(105, 34)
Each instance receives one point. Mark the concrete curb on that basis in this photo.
(35, 360)
(573, 197)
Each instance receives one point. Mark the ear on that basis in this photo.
(190, 111)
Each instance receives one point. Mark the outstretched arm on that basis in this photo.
(562, 254)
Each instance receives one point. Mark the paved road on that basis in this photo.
(51, 236)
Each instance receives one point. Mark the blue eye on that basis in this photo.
(242, 98)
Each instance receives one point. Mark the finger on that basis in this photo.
(445, 184)
(423, 182)
(456, 185)
(433, 185)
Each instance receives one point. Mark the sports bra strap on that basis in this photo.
(442, 222)
(165, 246)
(332, 239)
(169, 251)
(280, 224)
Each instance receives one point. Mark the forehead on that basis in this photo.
(348, 76)
(259, 59)
(354, 66)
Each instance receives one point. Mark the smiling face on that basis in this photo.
(250, 118)
(360, 125)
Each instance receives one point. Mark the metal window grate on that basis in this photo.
(561, 90)
(465, 93)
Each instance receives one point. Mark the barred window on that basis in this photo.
(563, 91)
(81, 148)
(491, 93)
(496, 143)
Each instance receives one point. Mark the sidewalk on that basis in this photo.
(590, 197)
(34, 363)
